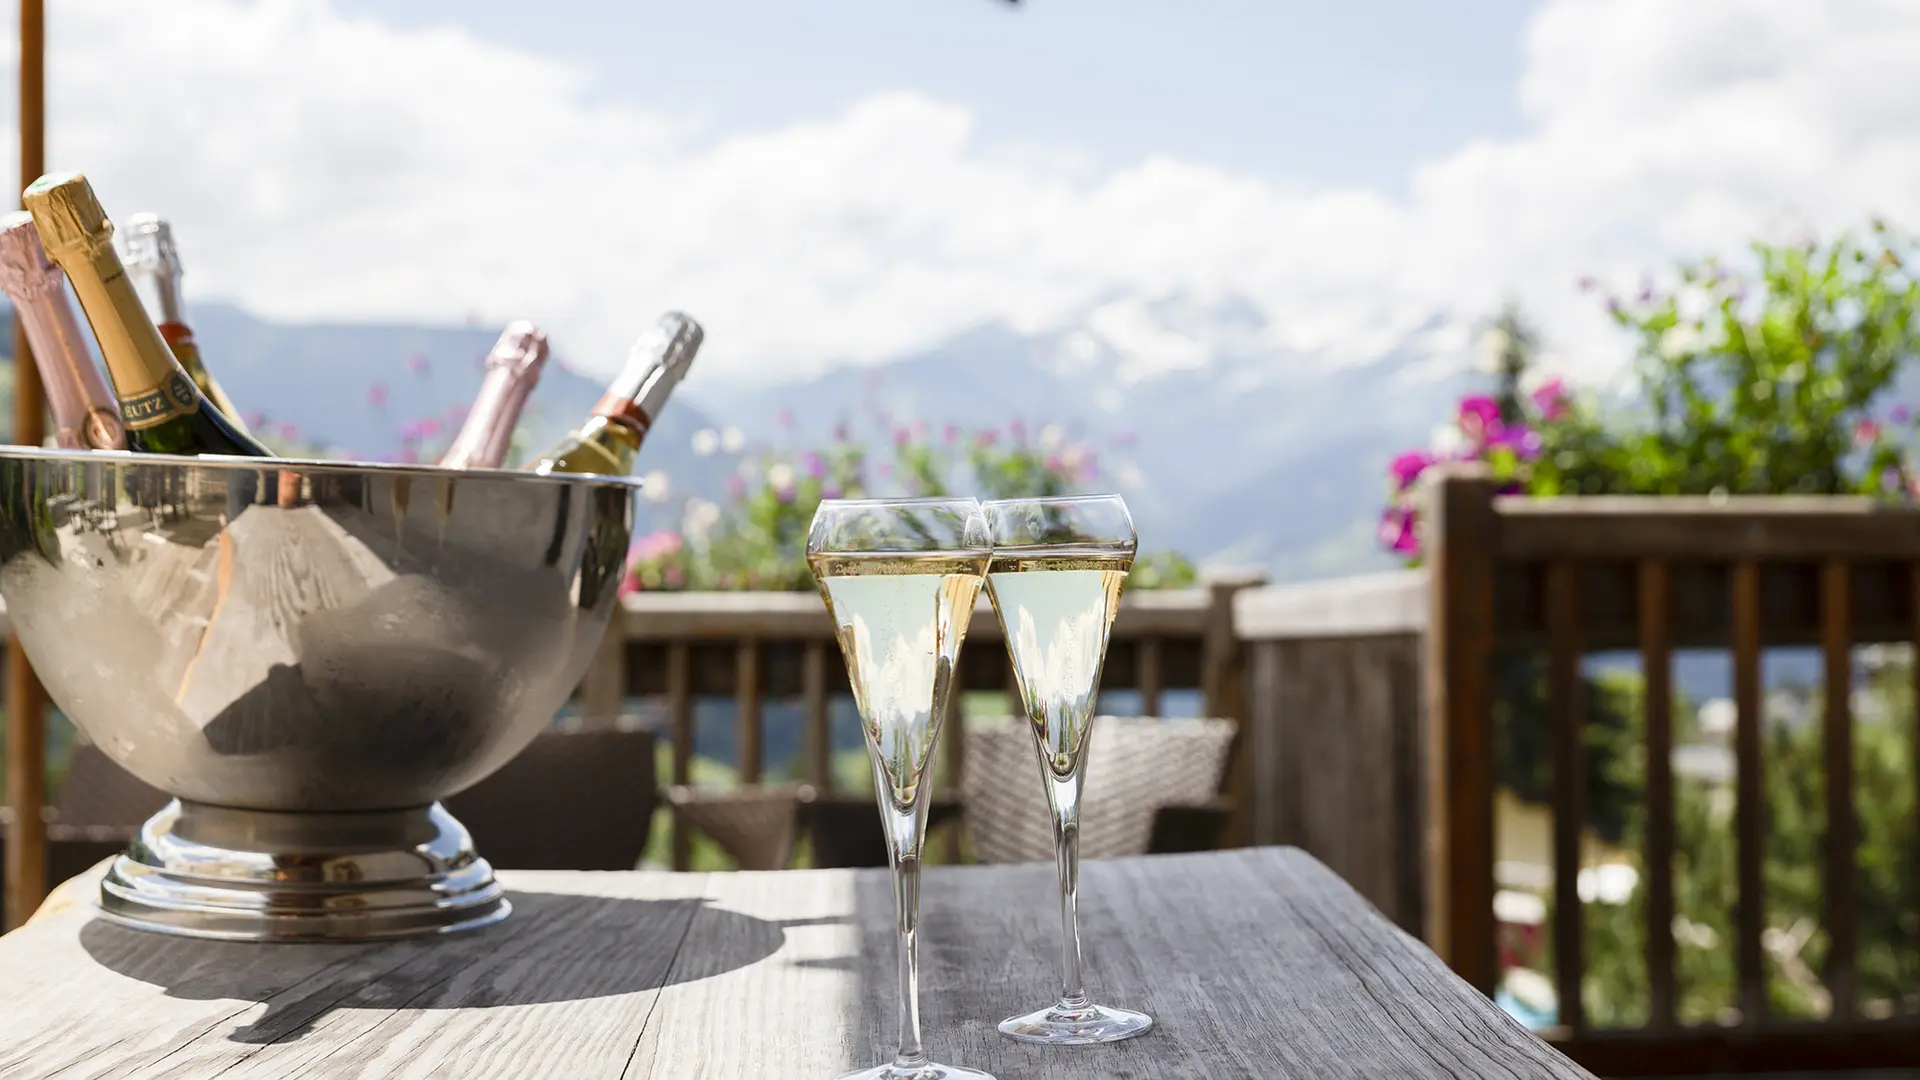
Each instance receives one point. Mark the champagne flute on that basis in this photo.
(1055, 577)
(900, 577)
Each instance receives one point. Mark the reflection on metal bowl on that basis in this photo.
(286, 645)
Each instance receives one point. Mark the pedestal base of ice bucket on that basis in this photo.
(254, 875)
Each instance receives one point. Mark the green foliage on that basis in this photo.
(1754, 383)
(759, 541)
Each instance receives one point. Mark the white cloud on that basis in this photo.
(326, 166)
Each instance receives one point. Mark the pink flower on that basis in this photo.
(830, 491)
(1018, 429)
(736, 487)
(784, 418)
(1407, 468)
(1587, 284)
(1900, 414)
(255, 419)
(629, 584)
(1054, 464)
(674, 577)
(985, 439)
(811, 464)
(1397, 531)
(1551, 399)
(902, 436)
(407, 456)
(951, 433)
(840, 433)
(661, 544)
(289, 432)
(1866, 433)
(1479, 417)
(377, 396)
(417, 363)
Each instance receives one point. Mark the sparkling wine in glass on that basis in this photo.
(900, 578)
(1055, 577)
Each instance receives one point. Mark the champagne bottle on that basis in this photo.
(513, 367)
(153, 265)
(611, 437)
(163, 411)
(84, 416)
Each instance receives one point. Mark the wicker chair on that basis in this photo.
(572, 800)
(754, 825)
(1139, 767)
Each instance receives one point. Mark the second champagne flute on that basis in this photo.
(1057, 570)
(900, 578)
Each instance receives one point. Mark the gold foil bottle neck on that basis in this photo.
(25, 270)
(68, 214)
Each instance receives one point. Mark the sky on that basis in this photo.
(825, 184)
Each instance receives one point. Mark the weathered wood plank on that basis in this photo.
(1771, 528)
(800, 616)
(819, 722)
(1257, 962)
(680, 718)
(746, 705)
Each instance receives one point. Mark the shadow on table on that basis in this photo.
(554, 947)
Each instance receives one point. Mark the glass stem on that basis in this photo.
(906, 896)
(1066, 852)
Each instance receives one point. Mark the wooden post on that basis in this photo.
(26, 869)
(1459, 536)
(1222, 694)
(603, 693)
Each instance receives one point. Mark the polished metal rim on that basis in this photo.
(199, 871)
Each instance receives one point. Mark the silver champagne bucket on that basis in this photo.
(307, 656)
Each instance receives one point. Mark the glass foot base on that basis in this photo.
(1061, 1025)
(929, 1071)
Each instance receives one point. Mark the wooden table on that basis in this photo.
(1256, 963)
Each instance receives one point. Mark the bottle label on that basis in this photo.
(175, 397)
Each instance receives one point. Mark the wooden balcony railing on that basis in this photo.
(1577, 576)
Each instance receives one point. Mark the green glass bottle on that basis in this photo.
(163, 411)
(611, 437)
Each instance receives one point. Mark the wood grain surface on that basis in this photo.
(1256, 963)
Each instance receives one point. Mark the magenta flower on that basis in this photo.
(255, 419)
(830, 491)
(1587, 284)
(951, 433)
(1397, 531)
(840, 433)
(1054, 463)
(784, 418)
(1900, 414)
(1018, 429)
(1551, 398)
(417, 363)
(901, 437)
(985, 439)
(1522, 440)
(429, 428)
(1866, 433)
(1479, 417)
(811, 464)
(377, 396)
(289, 432)
(1407, 468)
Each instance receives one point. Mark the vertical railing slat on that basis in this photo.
(813, 690)
(1656, 652)
(680, 716)
(1750, 808)
(1836, 645)
(1149, 669)
(748, 737)
(1566, 726)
